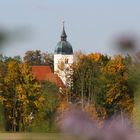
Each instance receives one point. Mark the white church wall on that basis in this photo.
(59, 58)
(67, 61)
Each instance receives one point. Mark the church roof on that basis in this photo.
(63, 35)
(40, 72)
(44, 73)
(54, 78)
(63, 47)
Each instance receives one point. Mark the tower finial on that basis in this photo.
(63, 35)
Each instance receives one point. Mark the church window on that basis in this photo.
(66, 61)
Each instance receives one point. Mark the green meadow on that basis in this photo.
(36, 136)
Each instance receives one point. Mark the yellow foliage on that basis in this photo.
(94, 56)
(20, 91)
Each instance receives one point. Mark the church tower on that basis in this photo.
(63, 57)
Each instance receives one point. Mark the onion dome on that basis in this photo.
(63, 46)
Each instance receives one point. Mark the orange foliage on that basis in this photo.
(95, 56)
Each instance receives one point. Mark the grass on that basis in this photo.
(36, 136)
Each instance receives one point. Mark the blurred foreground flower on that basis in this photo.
(126, 43)
(17, 34)
(77, 123)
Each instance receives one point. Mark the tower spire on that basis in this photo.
(63, 35)
(63, 24)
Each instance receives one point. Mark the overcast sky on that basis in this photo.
(91, 25)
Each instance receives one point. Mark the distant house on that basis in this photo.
(44, 73)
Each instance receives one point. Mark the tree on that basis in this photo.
(86, 75)
(48, 60)
(33, 57)
(20, 95)
(103, 81)
(38, 58)
(116, 96)
(134, 84)
(44, 121)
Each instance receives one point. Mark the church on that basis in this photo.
(63, 59)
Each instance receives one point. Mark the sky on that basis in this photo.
(91, 25)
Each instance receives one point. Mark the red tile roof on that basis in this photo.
(56, 79)
(43, 73)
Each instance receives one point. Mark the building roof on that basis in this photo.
(63, 35)
(63, 46)
(55, 79)
(41, 72)
(44, 73)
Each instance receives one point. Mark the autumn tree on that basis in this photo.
(20, 95)
(86, 76)
(116, 96)
(103, 81)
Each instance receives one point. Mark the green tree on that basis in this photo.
(48, 60)
(134, 84)
(38, 58)
(45, 120)
(33, 57)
